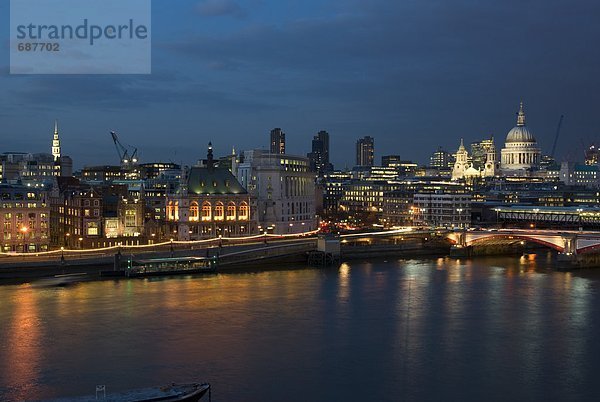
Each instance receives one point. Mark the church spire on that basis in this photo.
(56, 143)
(209, 156)
(521, 116)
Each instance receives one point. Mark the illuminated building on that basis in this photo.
(56, 143)
(109, 173)
(480, 151)
(154, 169)
(406, 168)
(333, 191)
(75, 214)
(466, 169)
(580, 175)
(124, 213)
(442, 160)
(284, 190)
(363, 200)
(521, 153)
(36, 169)
(398, 208)
(447, 208)
(461, 165)
(390, 160)
(210, 202)
(24, 219)
(591, 155)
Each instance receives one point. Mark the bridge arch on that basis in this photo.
(501, 236)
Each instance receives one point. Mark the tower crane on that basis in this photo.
(126, 159)
(560, 121)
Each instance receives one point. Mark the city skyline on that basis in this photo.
(262, 200)
(279, 133)
(215, 76)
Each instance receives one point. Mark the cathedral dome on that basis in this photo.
(520, 133)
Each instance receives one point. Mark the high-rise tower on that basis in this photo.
(56, 143)
(319, 157)
(365, 151)
(277, 141)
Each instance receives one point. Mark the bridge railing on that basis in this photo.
(266, 252)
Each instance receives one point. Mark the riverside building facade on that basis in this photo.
(284, 189)
(210, 202)
(24, 219)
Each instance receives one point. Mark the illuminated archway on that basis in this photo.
(231, 211)
(194, 212)
(219, 211)
(206, 211)
(243, 213)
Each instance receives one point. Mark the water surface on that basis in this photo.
(420, 330)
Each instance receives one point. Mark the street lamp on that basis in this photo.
(24, 230)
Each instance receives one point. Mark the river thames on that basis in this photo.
(399, 330)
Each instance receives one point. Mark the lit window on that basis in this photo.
(231, 211)
(206, 212)
(92, 229)
(243, 212)
(194, 213)
(219, 211)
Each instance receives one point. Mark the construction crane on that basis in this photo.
(126, 159)
(560, 121)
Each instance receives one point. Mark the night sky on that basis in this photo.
(413, 74)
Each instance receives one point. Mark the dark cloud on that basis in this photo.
(438, 69)
(124, 92)
(414, 74)
(220, 8)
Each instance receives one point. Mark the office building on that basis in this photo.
(365, 151)
(277, 141)
(24, 219)
(284, 190)
(441, 159)
(319, 156)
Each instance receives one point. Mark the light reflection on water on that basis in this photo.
(493, 329)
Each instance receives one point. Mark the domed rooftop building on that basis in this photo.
(521, 152)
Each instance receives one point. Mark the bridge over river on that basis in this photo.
(565, 242)
(576, 247)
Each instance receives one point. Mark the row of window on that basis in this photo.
(20, 236)
(23, 205)
(19, 215)
(19, 196)
(208, 213)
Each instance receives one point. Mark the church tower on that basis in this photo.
(492, 166)
(56, 143)
(462, 162)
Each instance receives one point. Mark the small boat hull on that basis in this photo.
(170, 393)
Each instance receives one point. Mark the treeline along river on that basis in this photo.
(492, 329)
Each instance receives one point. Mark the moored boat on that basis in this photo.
(170, 266)
(170, 393)
(60, 280)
